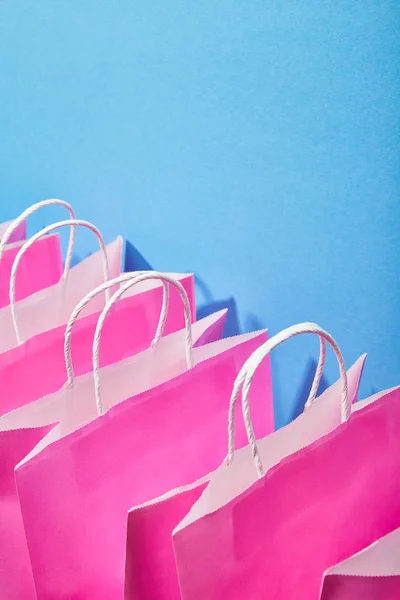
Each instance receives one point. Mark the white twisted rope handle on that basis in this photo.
(248, 370)
(73, 222)
(318, 374)
(101, 288)
(115, 298)
(29, 211)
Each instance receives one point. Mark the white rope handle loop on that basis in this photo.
(318, 374)
(101, 288)
(29, 211)
(248, 370)
(313, 391)
(115, 298)
(32, 240)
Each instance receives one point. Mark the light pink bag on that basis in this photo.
(371, 574)
(17, 235)
(37, 367)
(20, 431)
(40, 268)
(320, 500)
(151, 567)
(76, 486)
(51, 307)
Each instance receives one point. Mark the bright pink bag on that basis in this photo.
(38, 367)
(76, 487)
(51, 307)
(40, 268)
(21, 430)
(371, 574)
(276, 534)
(151, 565)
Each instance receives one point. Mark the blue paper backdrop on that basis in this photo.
(255, 143)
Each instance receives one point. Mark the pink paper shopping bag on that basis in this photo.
(371, 574)
(76, 486)
(37, 367)
(272, 532)
(51, 307)
(39, 268)
(151, 565)
(20, 431)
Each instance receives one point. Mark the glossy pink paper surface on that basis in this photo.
(75, 494)
(37, 367)
(312, 509)
(16, 579)
(40, 267)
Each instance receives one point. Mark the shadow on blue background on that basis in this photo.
(211, 305)
(134, 260)
(76, 258)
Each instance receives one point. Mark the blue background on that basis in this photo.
(254, 142)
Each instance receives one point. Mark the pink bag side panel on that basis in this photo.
(79, 489)
(354, 587)
(372, 573)
(150, 563)
(40, 267)
(16, 579)
(213, 333)
(312, 510)
(17, 235)
(37, 367)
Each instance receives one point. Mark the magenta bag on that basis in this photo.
(40, 268)
(51, 307)
(37, 367)
(371, 574)
(156, 408)
(22, 429)
(151, 565)
(316, 505)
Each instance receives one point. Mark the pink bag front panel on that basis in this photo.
(373, 573)
(17, 235)
(40, 267)
(150, 553)
(75, 494)
(37, 367)
(315, 508)
(51, 307)
(20, 431)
